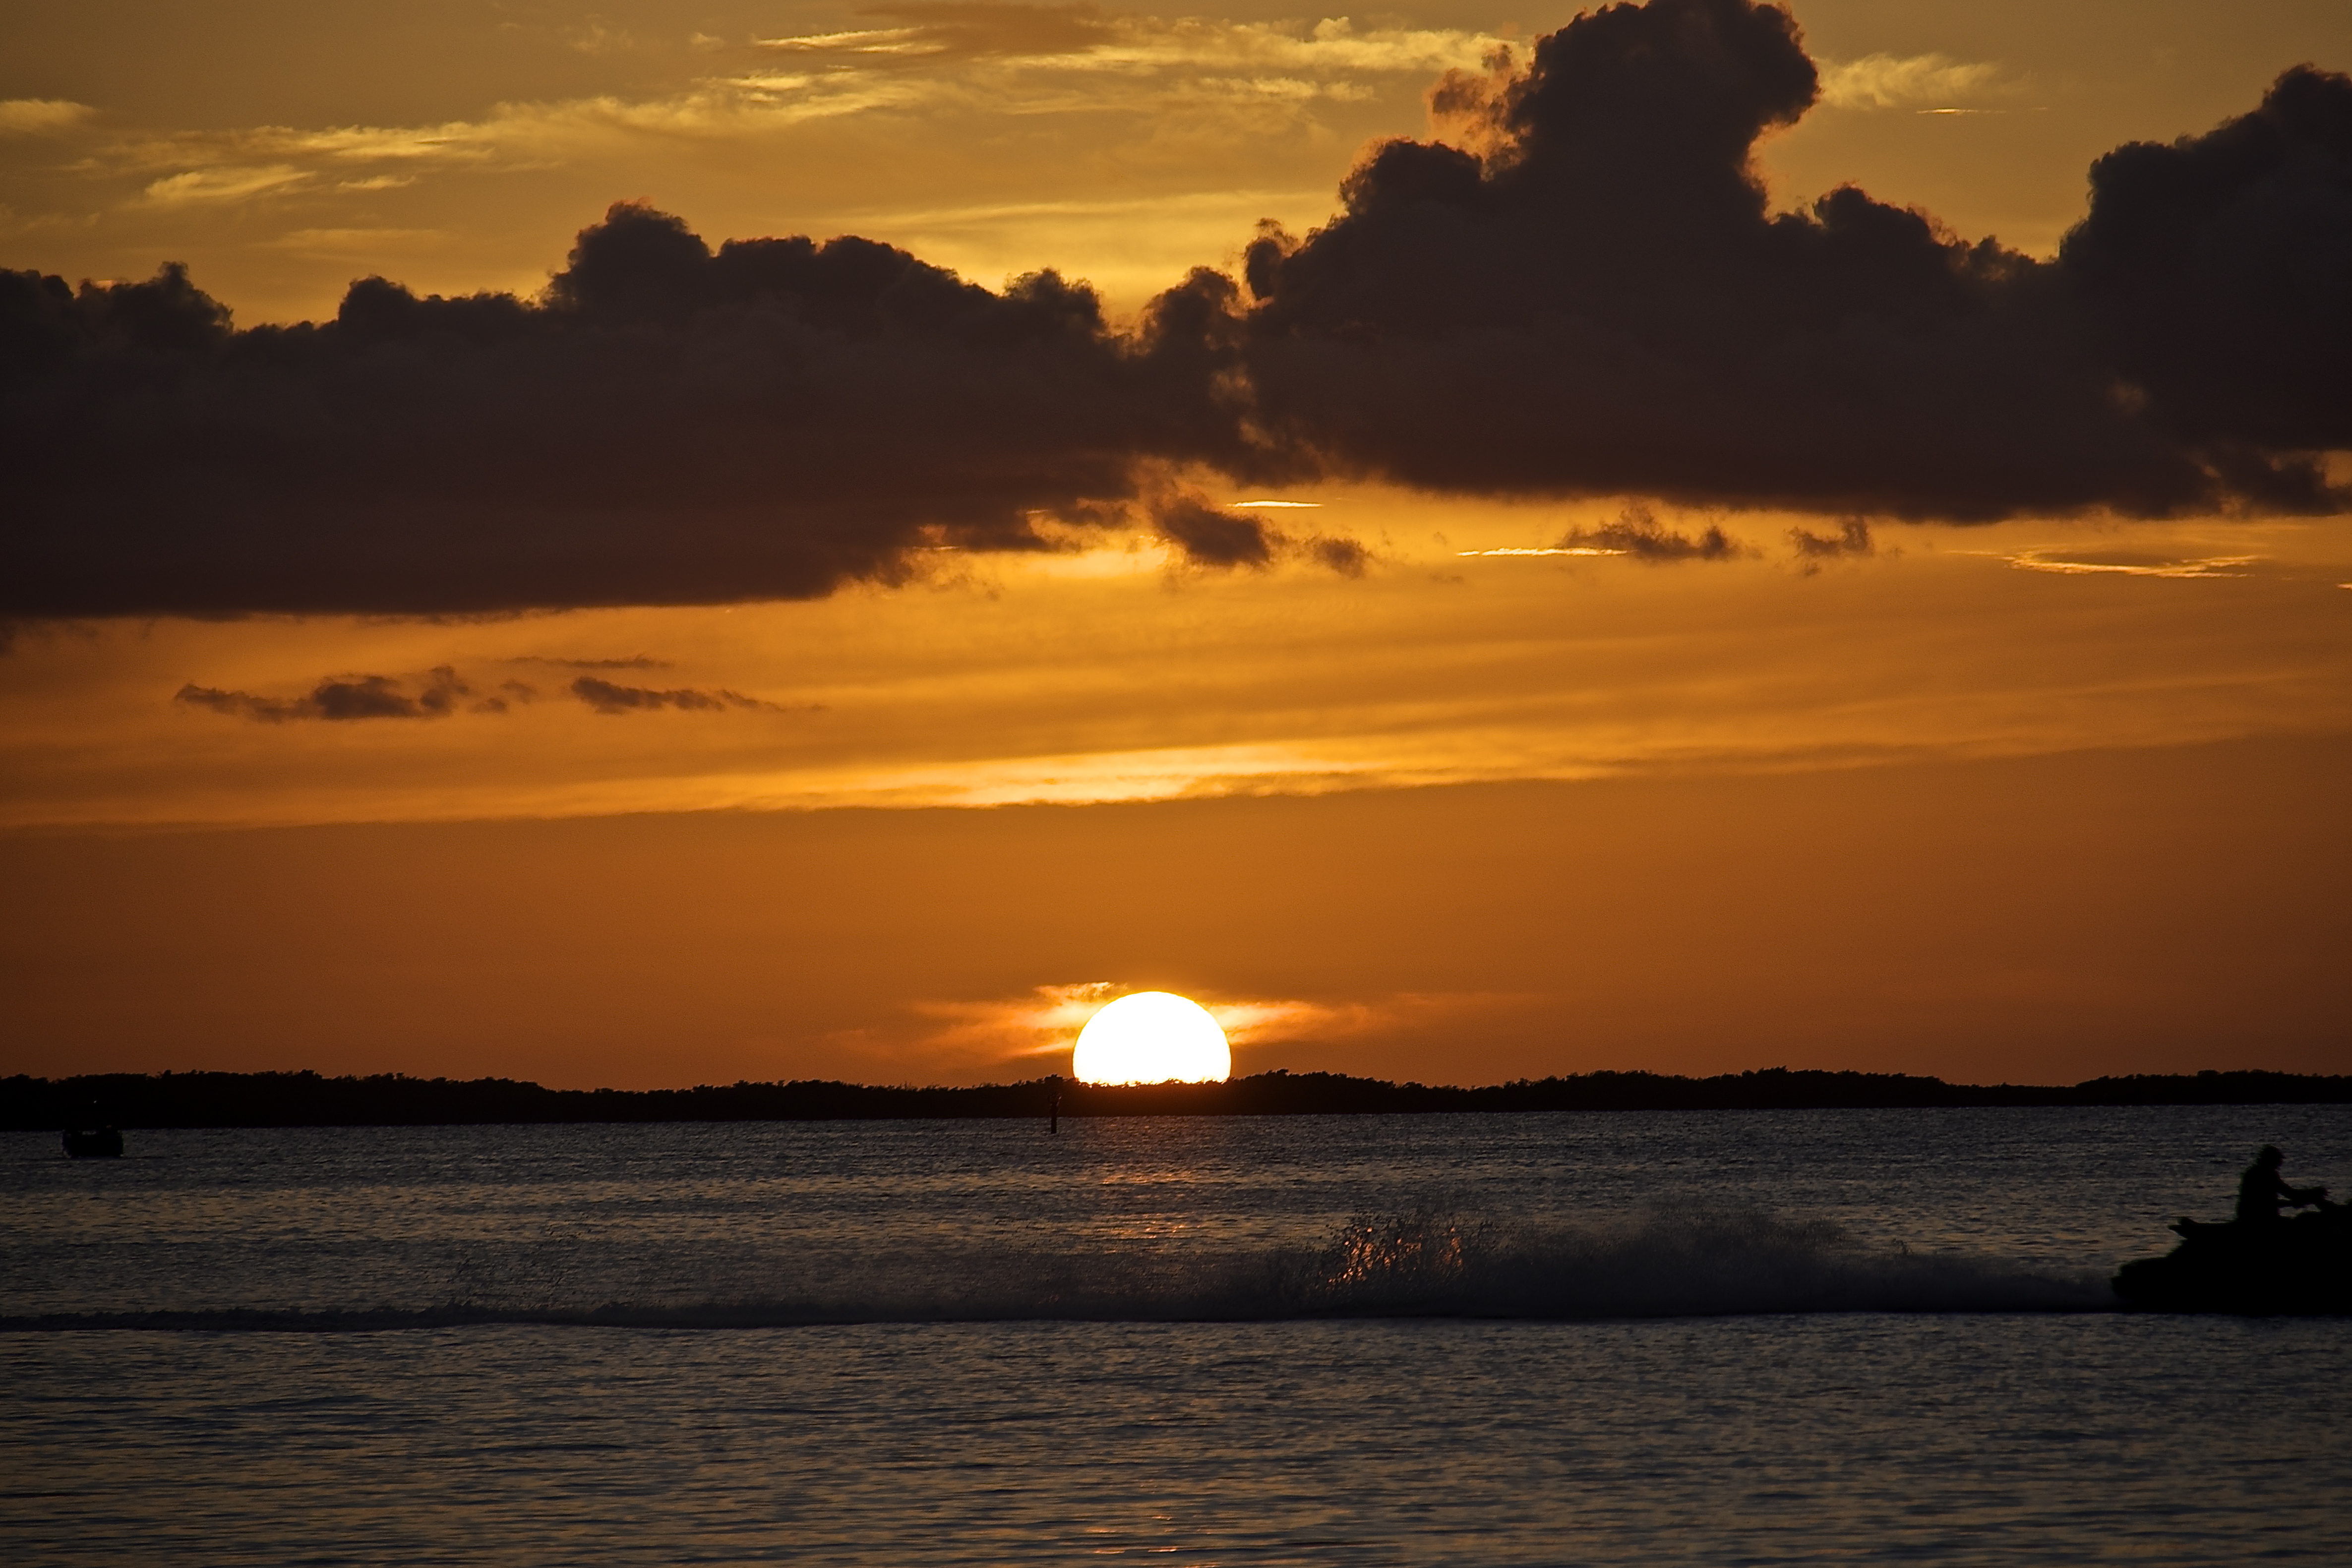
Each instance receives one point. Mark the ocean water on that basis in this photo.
(1749, 1337)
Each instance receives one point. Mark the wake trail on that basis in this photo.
(1424, 1263)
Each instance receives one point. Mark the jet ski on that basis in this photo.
(2274, 1267)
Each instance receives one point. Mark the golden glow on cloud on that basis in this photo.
(1152, 1037)
(1902, 81)
(2055, 558)
(1543, 550)
(1007, 1036)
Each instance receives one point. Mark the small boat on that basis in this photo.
(2299, 1265)
(94, 1143)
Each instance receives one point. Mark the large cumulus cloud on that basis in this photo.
(2216, 272)
(1597, 299)
(1583, 292)
(668, 425)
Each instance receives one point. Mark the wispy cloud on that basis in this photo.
(1851, 540)
(442, 691)
(1640, 535)
(1047, 1020)
(2092, 563)
(1546, 550)
(1902, 82)
(596, 39)
(339, 242)
(858, 41)
(346, 697)
(228, 182)
(1003, 59)
(608, 698)
(1083, 38)
(41, 116)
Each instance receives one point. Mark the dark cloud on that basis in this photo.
(605, 697)
(668, 425)
(1852, 538)
(345, 698)
(1219, 537)
(1211, 536)
(441, 692)
(2217, 272)
(1640, 535)
(1586, 295)
(1344, 556)
(1596, 300)
(515, 690)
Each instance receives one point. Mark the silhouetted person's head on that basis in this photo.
(2269, 1156)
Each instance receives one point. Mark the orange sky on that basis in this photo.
(282, 149)
(1452, 780)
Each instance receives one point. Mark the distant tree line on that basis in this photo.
(393, 1100)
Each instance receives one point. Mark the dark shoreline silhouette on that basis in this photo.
(392, 1100)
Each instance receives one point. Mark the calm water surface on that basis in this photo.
(1741, 1337)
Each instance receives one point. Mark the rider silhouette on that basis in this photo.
(2261, 1193)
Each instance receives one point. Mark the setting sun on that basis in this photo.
(1152, 1037)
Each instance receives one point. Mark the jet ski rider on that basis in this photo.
(2261, 1193)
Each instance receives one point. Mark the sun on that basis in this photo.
(1152, 1037)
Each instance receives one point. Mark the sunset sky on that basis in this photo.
(1475, 543)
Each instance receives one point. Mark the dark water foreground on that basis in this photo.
(1724, 1338)
(1856, 1438)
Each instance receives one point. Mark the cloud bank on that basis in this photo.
(667, 423)
(1582, 292)
(346, 697)
(440, 692)
(1588, 294)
